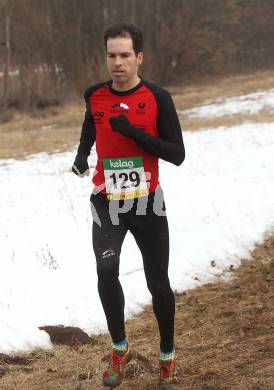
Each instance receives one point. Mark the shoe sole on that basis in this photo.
(167, 386)
(109, 384)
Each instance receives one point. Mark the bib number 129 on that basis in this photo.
(125, 178)
(132, 177)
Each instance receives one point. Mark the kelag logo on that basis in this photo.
(121, 164)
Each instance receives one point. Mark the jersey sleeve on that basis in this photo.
(169, 146)
(88, 133)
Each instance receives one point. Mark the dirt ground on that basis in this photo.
(224, 340)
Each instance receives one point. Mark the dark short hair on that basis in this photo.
(125, 30)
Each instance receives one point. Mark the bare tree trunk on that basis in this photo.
(7, 62)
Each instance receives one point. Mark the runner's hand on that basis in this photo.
(122, 125)
(80, 166)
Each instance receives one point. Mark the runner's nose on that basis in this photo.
(117, 62)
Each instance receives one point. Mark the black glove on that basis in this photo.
(122, 125)
(80, 166)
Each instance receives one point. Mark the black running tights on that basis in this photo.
(151, 234)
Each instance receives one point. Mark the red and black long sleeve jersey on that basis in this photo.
(149, 108)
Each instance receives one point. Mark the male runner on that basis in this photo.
(134, 123)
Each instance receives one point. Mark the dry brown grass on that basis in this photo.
(59, 129)
(50, 131)
(194, 95)
(224, 340)
(197, 124)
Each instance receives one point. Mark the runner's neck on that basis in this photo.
(126, 87)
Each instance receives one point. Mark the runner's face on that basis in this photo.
(122, 62)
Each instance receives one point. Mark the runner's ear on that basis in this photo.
(140, 57)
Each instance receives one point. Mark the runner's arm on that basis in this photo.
(88, 134)
(169, 146)
(87, 139)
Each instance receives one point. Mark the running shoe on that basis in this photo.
(114, 374)
(168, 374)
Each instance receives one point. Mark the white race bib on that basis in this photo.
(125, 178)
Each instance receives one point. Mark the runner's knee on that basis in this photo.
(108, 265)
(158, 287)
